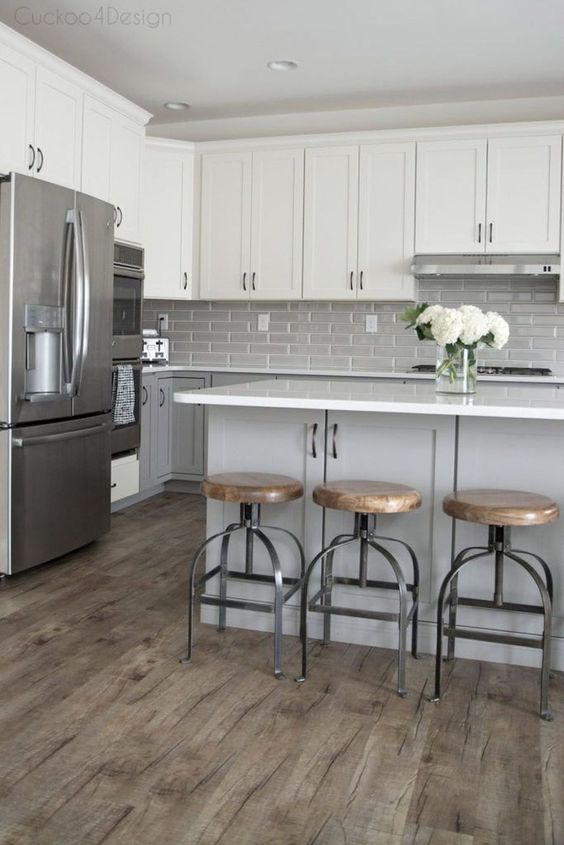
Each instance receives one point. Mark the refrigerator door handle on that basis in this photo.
(41, 440)
(68, 236)
(78, 328)
(85, 296)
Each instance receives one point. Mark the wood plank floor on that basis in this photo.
(106, 738)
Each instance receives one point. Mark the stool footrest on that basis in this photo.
(335, 610)
(379, 585)
(506, 605)
(484, 636)
(236, 574)
(238, 604)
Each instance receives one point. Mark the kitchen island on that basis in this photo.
(508, 436)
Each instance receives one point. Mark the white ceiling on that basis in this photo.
(363, 54)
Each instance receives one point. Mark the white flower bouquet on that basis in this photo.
(459, 331)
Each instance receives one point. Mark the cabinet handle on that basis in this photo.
(120, 212)
(245, 280)
(491, 232)
(40, 165)
(361, 279)
(32, 162)
(479, 233)
(145, 395)
(161, 403)
(185, 286)
(115, 214)
(335, 427)
(113, 485)
(253, 280)
(351, 281)
(313, 443)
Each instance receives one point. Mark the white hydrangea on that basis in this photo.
(499, 329)
(474, 324)
(447, 326)
(429, 314)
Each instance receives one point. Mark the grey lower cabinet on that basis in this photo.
(172, 435)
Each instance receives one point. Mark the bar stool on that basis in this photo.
(499, 510)
(250, 490)
(365, 499)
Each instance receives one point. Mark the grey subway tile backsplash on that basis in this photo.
(332, 335)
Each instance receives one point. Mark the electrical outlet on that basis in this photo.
(372, 323)
(162, 322)
(263, 322)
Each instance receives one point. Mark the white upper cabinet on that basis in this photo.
(17, 93)
(225, 226)
(386, 221)
(277, 224)
(128, 146)
(523, 195)
(331, 223)
(168, 192)
(251, 225)
(451, 196)
(112, 162)
(58, 129)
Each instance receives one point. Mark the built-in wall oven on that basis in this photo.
(127, 343)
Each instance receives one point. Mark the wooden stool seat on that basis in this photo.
(256, 488)
(501, 507)
(367, 496)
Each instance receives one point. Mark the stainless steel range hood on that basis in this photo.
(466, 266)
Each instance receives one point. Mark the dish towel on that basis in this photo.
(123, 395)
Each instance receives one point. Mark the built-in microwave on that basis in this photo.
(127, 343)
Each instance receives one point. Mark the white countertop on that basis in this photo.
(530, 401)
(349, 374)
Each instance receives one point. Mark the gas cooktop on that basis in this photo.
(494, 371)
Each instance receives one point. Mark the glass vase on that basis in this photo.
(456, 371)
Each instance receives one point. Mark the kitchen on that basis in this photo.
(258, 249)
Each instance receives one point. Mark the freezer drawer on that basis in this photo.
(60, 492)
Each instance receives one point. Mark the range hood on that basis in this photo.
(464, 266)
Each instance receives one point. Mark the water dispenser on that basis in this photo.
(43, 351)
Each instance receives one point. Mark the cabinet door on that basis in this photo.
(330, 223)
(167, 223)
(162, 450)
(147, 470)
(225, 226)
(187, 430)
(451, 196)
(386, 221)
(523, 208)
(58, 129)
(277, 224)
(413, 450)
(97, 148)
(17, 88)
(128, 140)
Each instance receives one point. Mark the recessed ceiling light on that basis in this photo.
(282, 64)
(176, 106)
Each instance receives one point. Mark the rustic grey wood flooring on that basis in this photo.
(106, 738)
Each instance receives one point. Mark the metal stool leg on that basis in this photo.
(191, 579)
(459, 562)
(278, 599)
(545, 712)
(301, 555)
(327, 585)
(403, 617)
(304, 599)
(223, 558)
(415, 592)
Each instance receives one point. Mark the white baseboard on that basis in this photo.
(383, 635)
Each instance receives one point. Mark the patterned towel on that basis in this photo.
(123, 395)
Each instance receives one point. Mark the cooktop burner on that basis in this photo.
(494, 371)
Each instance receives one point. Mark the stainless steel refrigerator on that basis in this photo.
(56, 259)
